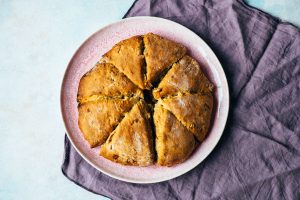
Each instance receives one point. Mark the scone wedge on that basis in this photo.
(185, 76)
(128, 57)
(105, 80)
(192, 110)
(131, 143)
(97, 119)
(160, 53)
(174, 143)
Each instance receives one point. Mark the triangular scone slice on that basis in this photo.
(193, 111)
(105, 80)
(98, 119)
(185, 76)
(160, 53)
(128, 57)
(131, 142)
(174, 143)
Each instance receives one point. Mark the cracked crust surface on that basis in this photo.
(128, 57)
(160, 54)
(97, 119)
(193, 111)
(131, 142)
(105, 80)
(113, 111)
(185, 76)
(174, 143)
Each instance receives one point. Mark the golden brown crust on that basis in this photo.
(112, 110)
(105, 80)
(128, 57)
(185, 76)
(98, 119)
(174, 143)
(193, 111)
(160, 54)
(131, 142)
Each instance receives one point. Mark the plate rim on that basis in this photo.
(225, 96)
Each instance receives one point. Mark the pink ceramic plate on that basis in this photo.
(92, 50)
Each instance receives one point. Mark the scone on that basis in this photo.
(192, 110)
(185, 76)
(144, 86)
(131, 142)
(105, 80)
(160, 54)
(97, 119)
(128, 57)
(174, 143)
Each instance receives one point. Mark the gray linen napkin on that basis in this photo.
(258, 156)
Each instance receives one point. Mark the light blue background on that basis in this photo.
(37, 39)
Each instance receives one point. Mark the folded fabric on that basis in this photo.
(258, 156)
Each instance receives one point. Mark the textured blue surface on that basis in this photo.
(37, 39)
(286, 10)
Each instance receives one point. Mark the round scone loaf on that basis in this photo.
(146, 101)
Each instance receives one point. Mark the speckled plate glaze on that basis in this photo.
(92, 50)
